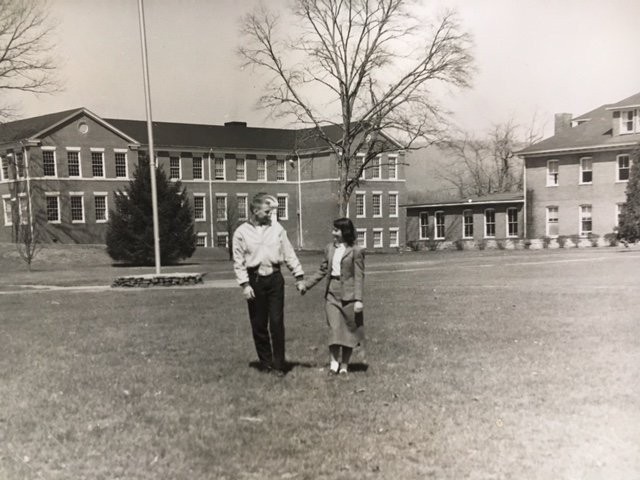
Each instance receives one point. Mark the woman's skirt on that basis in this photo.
(346, 327)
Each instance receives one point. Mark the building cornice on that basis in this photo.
(570, 150)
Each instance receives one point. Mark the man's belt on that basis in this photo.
(254, 270)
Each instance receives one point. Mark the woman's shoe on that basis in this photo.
(333, 368)
(343, 369)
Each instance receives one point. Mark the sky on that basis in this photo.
(533, 58)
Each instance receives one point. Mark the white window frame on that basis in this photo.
(55, 195)
(193, 167)
(285, 197)
(226, 207)
(19, 160)
(507, 222)
(618, 212)
(422, 215)
(243, 162)
(486, 224)
(261, 162)
(77, 150)
(81, 196)
(55, 161)
(224, 169)
(580, 218)
(225, 235)
(583, 170)
(363, 195)
(395, 230)
(381, 232)
(179, 177)
(435, 225)
(359, 162)
(278, 170)
(202, 235)
(464, 230)
(376, 167)
(557, 219)
(106, 206)
(8, 215)
(243, 215)
(101, 152)
(393, 160)
(203, 196)
(124, 151)
(396, 204)
(4, 164)
(363, 231)
(373, 204)
(618, 158)
(557, 173)
(624, 120)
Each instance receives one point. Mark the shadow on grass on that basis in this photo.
(131, 265)
(353, 367)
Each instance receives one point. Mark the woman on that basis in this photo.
(343, 265)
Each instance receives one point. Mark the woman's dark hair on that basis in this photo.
(348, 230)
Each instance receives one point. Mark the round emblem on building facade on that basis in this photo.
(83, 128)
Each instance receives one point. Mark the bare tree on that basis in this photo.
(371, 61)
(25, 60)
(478, 166)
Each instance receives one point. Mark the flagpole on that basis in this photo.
(152, 162)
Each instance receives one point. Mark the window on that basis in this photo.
(121, 165)
(243, 205)
(619, 207)
(358, 164)
(5, 168)
(73, 163)
(174, 168)
(222, 240)
(241, 173)
(375, 169)
(393, 237)
(424, 225)
(490, 222)
(97, 164)
(439, 225)
(262, 169)
(393, 204)
(586, 170)
(361, 237)
(393, 167)
(199, 211)
(197, 172)
(552, 222)
(76, 201)
(49, 163)
(283, 207)
(512, 222)
(377, 238)
(627, 121)
(623, 168)
(20, 170)
(8, 210)
(100, 206)
(218, 168)
(281, 171)
(201, 239)
(467, 224)
(552, 173)
(23, 208)
(376, 200)
(361, 210)
(53, 208)
(585, 219)
(221, 207)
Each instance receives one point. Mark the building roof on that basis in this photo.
(495, 198)
(26, 128)
(594, 130)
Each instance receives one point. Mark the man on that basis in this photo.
(260, 246)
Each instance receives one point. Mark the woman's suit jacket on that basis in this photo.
(351, 272)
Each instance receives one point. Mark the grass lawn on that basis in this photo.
(478, 365)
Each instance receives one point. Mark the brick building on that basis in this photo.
(60, 173)
(575, 181)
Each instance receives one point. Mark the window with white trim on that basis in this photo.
(281, 171)
(552, 173)
(5, 168)
(174, 168)
(377, 238)
(201, 239)
(628, 121)
(76, 202)
(376, 204)
(585, 220)
(424, 225)
(361, 209)
(283, 207)
(586, 170)
(121, 165)
(439, 220)
(23, 208)
(100, 207)
(199, 207)
(73, 163)
(243, 206)
(196, 168)
(262, 169)
(97, 164)
(241, 170)
(222, 240)
(393, 167)
(619, 207)
(218, 169)
(512, 222)
(624, 167)
(20, 166)
(361, 237)
(394, 238)
(359, 161)
(376, 170)
(490, 223)
(49, 163)
(221, 207)
(467, 224)
(393, 204)
(553, 224)
(8, 210)
(53, 208)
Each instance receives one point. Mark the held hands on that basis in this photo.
(302, 288)
(358, 307)
(248, 293)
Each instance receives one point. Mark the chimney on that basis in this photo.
(562, 122)
(235, 124)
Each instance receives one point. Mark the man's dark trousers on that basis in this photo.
(266, 312)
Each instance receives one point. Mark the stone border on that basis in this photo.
(162, 280)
